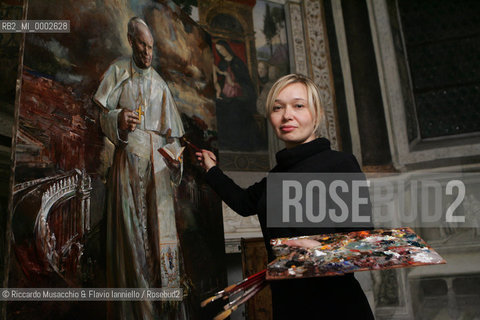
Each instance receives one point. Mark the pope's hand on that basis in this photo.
(207, 159)
(128, 120)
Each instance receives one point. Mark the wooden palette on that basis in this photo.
(340, 253)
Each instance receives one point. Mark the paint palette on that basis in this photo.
(339, 253)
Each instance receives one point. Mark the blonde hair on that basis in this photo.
(313, 97)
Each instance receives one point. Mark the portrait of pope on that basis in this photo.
(140, 118)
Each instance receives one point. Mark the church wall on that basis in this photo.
(374, 112)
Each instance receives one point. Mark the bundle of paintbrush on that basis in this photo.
(240, 292)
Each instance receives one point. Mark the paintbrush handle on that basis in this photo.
(247, 281)
(251, 294)
(236, 302)
(220, 294)
(217, 296)
(223, 315)
(256, 275)
(194, 147)
(226, 292)
(243, 287)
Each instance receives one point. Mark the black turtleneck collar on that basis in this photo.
(286, 158)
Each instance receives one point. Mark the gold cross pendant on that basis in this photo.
(140, 112)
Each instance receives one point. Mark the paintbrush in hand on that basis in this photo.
(243, 284)
(194, 147)
(232, 306)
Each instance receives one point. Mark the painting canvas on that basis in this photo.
(62, 157)
(340, 253)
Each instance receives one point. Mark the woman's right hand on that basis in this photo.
(207, 159)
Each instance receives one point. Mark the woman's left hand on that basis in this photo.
(303, 243)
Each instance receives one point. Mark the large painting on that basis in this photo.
(65, 198)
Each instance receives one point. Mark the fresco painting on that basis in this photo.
(235, 99)
(272, 57)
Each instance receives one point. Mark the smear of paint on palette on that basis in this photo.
(339, 253)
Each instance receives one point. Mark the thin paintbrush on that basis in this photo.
(244, 286)
(246, 293)
(194, 147)
(231, 288)
(232, 306)
(247, 281)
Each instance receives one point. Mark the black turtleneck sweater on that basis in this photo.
(312, 157)
(339, 296)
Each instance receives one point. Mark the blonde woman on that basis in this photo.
(294, 111)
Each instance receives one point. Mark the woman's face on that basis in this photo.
(291, 118)
(221, 49)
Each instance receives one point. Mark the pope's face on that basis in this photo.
(142, 47)
(291, 117)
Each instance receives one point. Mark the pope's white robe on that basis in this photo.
(142, 242)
